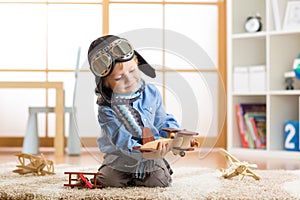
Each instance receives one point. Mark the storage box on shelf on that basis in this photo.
(273, 48)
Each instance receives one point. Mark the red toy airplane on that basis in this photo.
(82, 181)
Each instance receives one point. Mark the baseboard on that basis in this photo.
(89, 142)
(44, 141)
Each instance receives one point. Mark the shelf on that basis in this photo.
(273, 92)
(248, 93)
(285, 92)
(274, 49)
(242, 152)
(248, 35)
(284, 32)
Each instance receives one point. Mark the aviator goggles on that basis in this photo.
(103, 60)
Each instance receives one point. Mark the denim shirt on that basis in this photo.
(117, 142)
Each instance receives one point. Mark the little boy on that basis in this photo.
(130, 112)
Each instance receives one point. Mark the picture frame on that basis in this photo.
(292, 16)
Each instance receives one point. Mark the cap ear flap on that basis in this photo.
(144, 66)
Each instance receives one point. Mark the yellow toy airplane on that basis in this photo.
(34, 164)
(237, 167)
(180, 141)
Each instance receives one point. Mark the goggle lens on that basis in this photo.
(101, 65)
(119, 50)
(122, 49)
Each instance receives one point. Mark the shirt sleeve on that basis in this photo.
(114, 135)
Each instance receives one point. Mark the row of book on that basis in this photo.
(251, 119)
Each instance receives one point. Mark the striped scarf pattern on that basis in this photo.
(122, 105)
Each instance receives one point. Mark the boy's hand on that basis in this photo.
(161, 151)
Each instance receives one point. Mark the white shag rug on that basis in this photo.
(188, 183)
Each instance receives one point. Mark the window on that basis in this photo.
(46, 40)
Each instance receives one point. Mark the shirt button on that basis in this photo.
(145, 119)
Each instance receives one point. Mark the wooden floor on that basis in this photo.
(203, 158)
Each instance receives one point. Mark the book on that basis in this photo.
(258, 144)
(256, 123)
(241, 126)
(241, 109)
(261, 127)
(250, 132)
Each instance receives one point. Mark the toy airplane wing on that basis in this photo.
(153, 145)
(187, 133)
(85, 180)
(173, 130)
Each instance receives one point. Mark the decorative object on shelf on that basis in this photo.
(296, 65)
(291, 136)
(257, 78)
(253, 24)
(251, 78)
(292, 15)
(290, 75)
(240, 79)
(289, 81)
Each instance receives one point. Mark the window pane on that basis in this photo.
(96, 1)
(200, 114)
(23, 36)
(192, 21)
(22, 76)
(165, 0)
(49, 1)
(70, 27)
(153, 57)
(192, 0)
(68, 80)
(136, 0)
(85, 104)
(125, 18)
(11, 1)
(14, 109)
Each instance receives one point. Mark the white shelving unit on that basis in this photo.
(276, 49)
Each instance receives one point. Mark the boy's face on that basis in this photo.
(125, 78)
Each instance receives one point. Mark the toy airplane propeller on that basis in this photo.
(179, 140)
(237, 167)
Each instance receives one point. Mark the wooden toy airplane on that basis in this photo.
(81, 180)
(179, 140)
(237, 167)
(34, 164)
